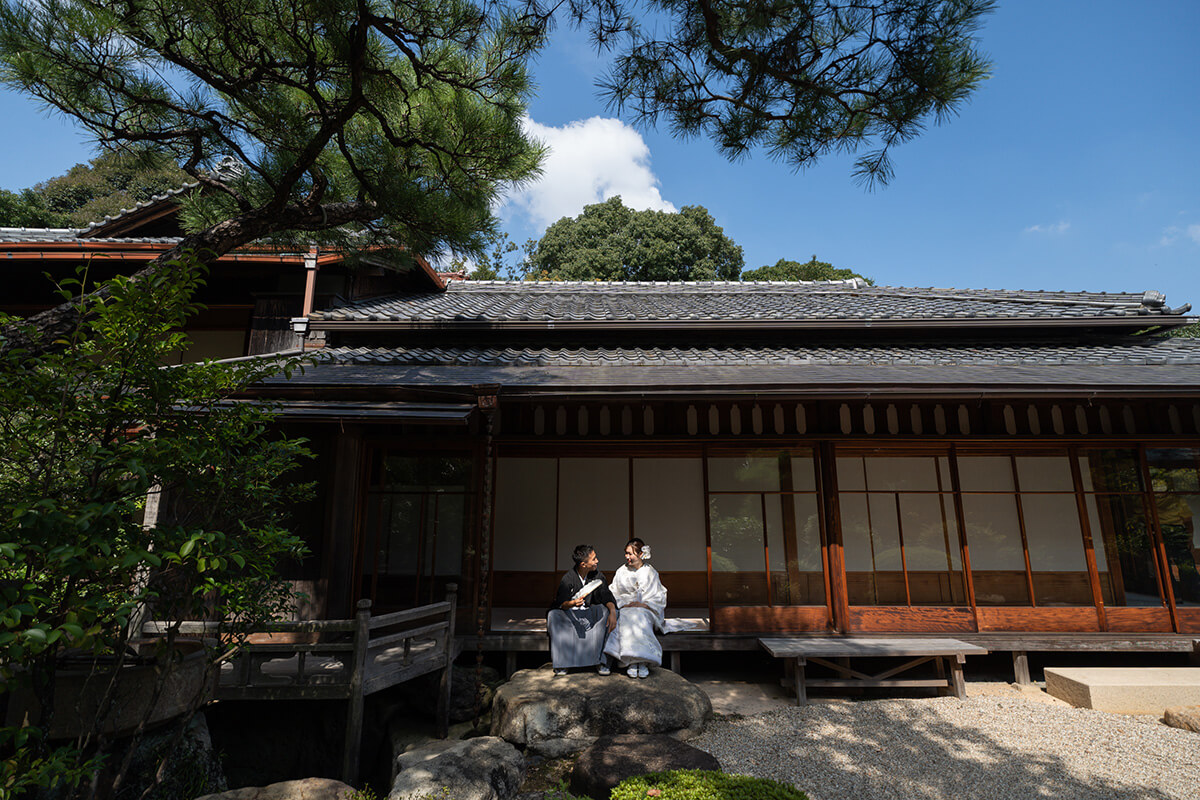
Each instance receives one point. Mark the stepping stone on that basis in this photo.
(1125, 690)
(612, 759)
(555, 715)
(1184, 717)
(484, 768)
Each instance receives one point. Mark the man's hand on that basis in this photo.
(612, 618)
(573, 603)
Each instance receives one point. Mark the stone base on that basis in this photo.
(553, 715)
(1125, 690)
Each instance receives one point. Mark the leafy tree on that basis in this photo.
(813, 270)
(86, 432)
(358, 123)
(498, 262)
(610, 242)
(110, 182)
(376, 123)
(27, 209)
(800, 78)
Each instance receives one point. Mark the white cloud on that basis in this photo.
(1176, 232)
(588, 161)
(1058, 227)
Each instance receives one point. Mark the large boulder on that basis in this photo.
(484, 768)
(554, 715)
(306, 789)
(1185, 717)
(612, 759)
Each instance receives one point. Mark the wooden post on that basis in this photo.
(798, 680)
(956, 675)
(1021, 667)
(443, 704)
(1194, 658)
(354, 705)
(675, 663)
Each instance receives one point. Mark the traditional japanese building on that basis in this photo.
(803, 457)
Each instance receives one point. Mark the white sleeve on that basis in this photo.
(654, 594)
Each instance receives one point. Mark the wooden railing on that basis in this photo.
(342, 659)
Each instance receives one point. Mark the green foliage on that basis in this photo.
(785, 270)
(498, 261)
(703, 785)
(1189, 331)
(109, 183)
(400, 120)
(799, 78)
(27, 209)
(610, 242)
(87, 431)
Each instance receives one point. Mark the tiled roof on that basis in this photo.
(155, 200)
(1123, 350)
(73, 236)
(499, 302)
(39, 234)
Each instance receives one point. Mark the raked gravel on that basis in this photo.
(989, 748)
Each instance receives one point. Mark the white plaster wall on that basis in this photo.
(523, 529)
(668, 511)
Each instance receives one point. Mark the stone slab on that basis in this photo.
(1125, 690)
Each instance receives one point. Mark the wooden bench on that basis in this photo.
(948, 656)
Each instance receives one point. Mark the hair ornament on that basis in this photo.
(645, 552)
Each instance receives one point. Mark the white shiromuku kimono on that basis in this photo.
(634, 641)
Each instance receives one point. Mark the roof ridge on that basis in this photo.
(158, 198)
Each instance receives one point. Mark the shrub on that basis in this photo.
(694, 784)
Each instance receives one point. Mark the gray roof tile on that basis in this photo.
(550, 302)
(1120, 350)
(74, 236)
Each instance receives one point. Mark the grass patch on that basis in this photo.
(703, 785)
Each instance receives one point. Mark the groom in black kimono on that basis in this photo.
(579, 626)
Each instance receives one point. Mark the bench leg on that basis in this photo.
(510, 663)
(956, 676)
(940, 665)
(798, 681)
(1021, 667)
(1194, 658)
(675, 663)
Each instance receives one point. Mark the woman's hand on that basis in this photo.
(637, 604)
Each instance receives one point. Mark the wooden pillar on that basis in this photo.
(1194, 658)
(340, 571)
(310, 281)
(354, 706)
(840, 603)
(1089, 547)
(443, 704)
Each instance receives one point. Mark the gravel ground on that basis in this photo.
(985, 747)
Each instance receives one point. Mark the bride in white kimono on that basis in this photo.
(642, 600)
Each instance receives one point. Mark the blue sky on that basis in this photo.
(1074, 167)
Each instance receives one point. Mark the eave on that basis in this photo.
(1136, 322)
